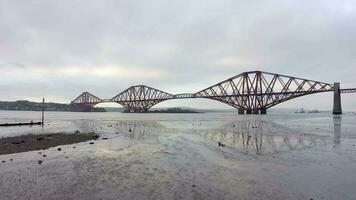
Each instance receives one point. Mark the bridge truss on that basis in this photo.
(250, 92)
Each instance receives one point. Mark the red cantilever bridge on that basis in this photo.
(250, 92)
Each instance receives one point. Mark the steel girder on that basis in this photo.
(252, 91)
(140, 98)
(257, 90)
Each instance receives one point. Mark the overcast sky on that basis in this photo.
(58, 49)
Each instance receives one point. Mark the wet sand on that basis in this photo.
(156, 160)
(30, 142)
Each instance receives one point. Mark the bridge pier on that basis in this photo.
(263, 111)
(337, 100)
(241, 111)
(248, 112)
(255, 112)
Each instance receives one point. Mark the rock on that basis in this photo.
(91, 142)
(3, 161)
(40, 138)
(221, 144)
(105, 138)
(59, 149)
(66, 157)
(44, 155)
(193, 185)
(40, 162)
(15, 142)
(74, 147)
(19, 179)
(130, 130)
(11, 159)
(116, 132)
(39, 152)
(76, 132)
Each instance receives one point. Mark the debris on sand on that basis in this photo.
(221, 144)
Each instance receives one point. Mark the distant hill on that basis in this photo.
(174, 110)
(35, 106)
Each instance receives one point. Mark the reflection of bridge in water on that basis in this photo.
(261, 137)
(132, 129)
(245, 136)
(250, 93)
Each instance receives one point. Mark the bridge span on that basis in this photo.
(250, 92)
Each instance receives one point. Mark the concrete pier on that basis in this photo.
(255, 112)
(263, 111)
(248, 112)
(241, 111)
(337, 100)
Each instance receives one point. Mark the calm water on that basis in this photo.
(263, 132)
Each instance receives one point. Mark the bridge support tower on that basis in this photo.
(337, 100)
(241, 111)
(263, 111)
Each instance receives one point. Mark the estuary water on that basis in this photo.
(178, 156)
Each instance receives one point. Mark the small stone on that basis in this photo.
(130, 130)
(44, 155)
(105, 138)
(59, 149)
(19, 179)
(3, 161)
(74, 147)
(193, 185)
(91, 142)
(117, 133)
(40, 162)
(66, 157)
(11, 159)
(39, 152)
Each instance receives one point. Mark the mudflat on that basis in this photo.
(30, 142)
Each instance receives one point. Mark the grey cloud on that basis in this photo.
(197, 43)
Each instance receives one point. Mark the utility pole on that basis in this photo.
(43, 108)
